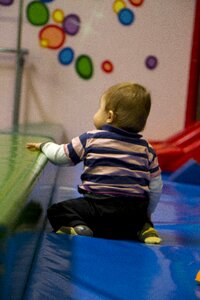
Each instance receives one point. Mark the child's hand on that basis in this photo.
(33, 146)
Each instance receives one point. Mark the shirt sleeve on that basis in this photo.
(154, 167)
(155, 187)
(66, 154)
(56, 153)
(76, 149)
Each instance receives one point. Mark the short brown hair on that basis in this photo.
(131, 105)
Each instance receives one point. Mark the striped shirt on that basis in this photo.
(116, 162)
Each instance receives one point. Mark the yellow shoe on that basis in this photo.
(66, 230)
(149, 235)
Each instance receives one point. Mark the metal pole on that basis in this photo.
(19, 69)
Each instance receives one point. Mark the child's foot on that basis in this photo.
(149, 235)
(66, 230)
(77, 230)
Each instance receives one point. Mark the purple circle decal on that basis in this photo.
(71, 24)
(151, 62)
(6, 2)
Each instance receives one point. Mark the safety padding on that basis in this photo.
(80, 267)
(189, 173)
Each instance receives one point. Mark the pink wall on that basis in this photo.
(53, 92)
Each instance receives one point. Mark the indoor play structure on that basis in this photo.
(37, 264)
(179, 148)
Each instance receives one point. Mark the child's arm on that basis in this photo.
(155, 193)
(54, 152)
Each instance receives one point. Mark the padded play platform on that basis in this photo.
(88, 268)
(42, 265)
(188, 173)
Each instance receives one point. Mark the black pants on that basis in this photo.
(115, 217)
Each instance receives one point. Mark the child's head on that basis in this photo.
(124, 105)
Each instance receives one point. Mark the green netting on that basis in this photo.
(19, 169)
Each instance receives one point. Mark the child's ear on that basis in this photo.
(110, 117)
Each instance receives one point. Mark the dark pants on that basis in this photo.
(115, 217)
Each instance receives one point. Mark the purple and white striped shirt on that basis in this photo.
(116, 162)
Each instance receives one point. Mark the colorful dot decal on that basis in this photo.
(118, 5)
(46, 1)
(6, 2)
(107, 66)
(58, 15)
(71, 24)
(151, 62)
(126, 16)
(66, 56)
(37, 13)
(84, 66)
(52, 36)
(136, 2)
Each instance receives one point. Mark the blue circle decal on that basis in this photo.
(66, 56)
(126, 16)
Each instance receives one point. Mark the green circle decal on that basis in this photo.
(84, 66)
(37, 13)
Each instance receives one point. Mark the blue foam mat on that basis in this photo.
(189, 173)
(81, 268)
(89, 268)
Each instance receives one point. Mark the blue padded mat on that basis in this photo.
(81, 268)
(89, 268)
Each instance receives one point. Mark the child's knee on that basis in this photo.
(83, 230)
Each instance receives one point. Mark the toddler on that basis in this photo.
(121, 179)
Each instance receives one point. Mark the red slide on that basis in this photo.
(179, 148)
